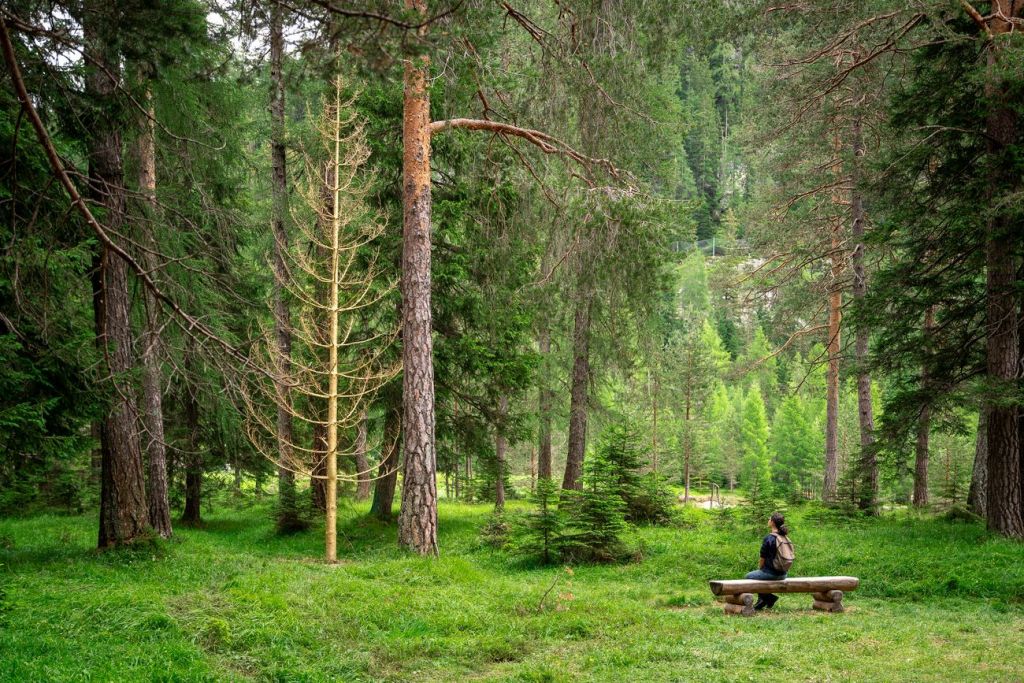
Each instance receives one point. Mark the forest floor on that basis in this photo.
(939, 601)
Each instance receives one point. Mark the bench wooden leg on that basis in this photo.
(829, 601)
(742, 604)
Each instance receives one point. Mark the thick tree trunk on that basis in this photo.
(500, 447)
(124, 515)
(192, 514)
(387, 475)
(362, 462)
(868, 459)
(1005, 499)
(288, 516)
(579, 390)
(977, 495)
(417, 522)
(546, 398)
(153, 413)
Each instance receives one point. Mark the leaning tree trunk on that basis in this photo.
(500, 447)
(417, 521)
(1005, 504)
(977, 495)
(865, 411)
(579, 386)
(387, 475)
(124, 515)
(287, 515)
(152, 399)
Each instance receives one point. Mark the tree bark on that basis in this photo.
(124, 515)
(387, 475)
(579, 389)
(977, 495)
(865, 410)
(417, 522)
(153, 414)
(1005, 498)
(500, 446)
(287, 508)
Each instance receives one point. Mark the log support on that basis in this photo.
(742, 604)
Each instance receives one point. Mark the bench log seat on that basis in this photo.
(739, 595)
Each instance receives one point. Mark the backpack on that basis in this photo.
(784, 553)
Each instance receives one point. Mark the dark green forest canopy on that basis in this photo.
(780, 248)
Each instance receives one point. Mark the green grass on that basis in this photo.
(232, 601)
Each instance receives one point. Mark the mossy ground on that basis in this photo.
(939, 601)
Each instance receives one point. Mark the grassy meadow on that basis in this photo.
(231, 601)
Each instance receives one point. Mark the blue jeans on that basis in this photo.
(766, 575)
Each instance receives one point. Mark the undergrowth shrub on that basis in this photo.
(539, 534)
(495, 533)
(596, 516)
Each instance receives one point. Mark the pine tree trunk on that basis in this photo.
(1005, 499)
(153, 414)
(835, 315)
(387, 475)
(865, 410)
(500, 447)
(417, 522)
(579, 389)
(654, 427)
(124, 515)
(977, 495)
(288, 516)
(192, 514)
(687, 449)
(546, 398)
(362, 462)
(924, 423)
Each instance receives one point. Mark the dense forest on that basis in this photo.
(580, 274)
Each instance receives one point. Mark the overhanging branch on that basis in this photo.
(547, 143)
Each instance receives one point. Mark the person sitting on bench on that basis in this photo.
(767, 567)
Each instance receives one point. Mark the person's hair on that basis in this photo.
(780, 523)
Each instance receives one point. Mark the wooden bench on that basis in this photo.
(739, 595)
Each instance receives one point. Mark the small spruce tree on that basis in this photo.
(540, 534)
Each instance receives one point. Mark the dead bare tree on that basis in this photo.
(340, 354)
